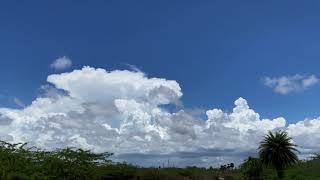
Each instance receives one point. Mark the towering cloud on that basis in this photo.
(123, 112)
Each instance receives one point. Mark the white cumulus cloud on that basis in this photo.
(122, 112)
(306, 134)
(61, 63)
(290, 84)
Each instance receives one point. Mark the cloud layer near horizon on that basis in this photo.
(123, 112)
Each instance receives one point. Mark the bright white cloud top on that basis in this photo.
(290, 84)
(122, 112)
(61, 63)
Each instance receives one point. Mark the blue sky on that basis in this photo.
(217, 51)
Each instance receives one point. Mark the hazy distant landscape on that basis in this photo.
(277, 159)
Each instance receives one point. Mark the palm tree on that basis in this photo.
(278, 150)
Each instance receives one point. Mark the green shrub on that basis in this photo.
(252, 168)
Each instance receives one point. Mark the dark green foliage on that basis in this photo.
(277, 150)
(303, 170)
(187, 173)
(115, 171)
(252, 168)
(19, 162)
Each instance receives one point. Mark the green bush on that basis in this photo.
(21, 162)
(252, 168)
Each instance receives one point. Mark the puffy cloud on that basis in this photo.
(289, 84)
(61, 63)
(307, 135)
(91, 84)
(122, 112)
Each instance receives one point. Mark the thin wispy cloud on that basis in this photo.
(290, 84)
(19, 102)
(61, 63)
(132, 67)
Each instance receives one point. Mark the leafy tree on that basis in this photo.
(278, 150)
